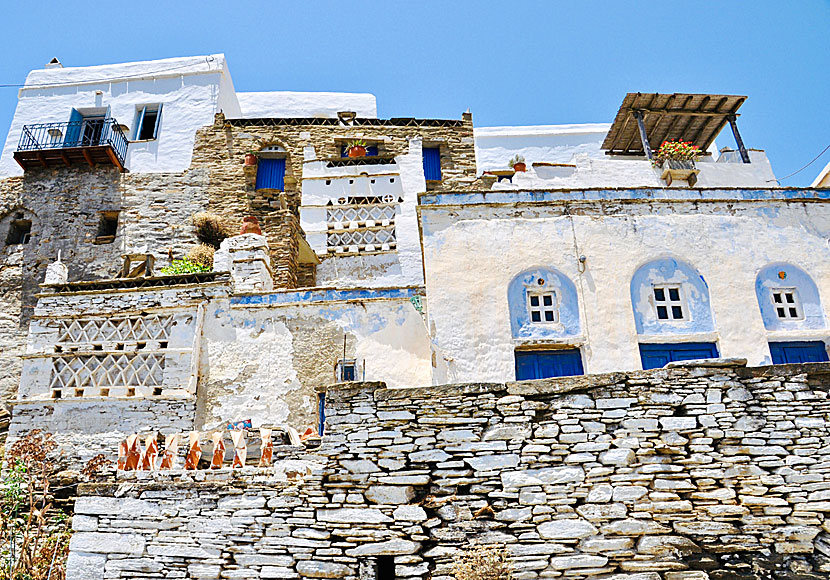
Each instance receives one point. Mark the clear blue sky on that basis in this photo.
(511, 63)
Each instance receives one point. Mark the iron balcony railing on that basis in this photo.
(71, 134)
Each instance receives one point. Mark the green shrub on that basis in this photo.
(184, 266)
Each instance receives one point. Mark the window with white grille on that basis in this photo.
(542, 307)
(669, 304)
(786, 303)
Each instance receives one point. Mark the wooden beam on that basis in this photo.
(42, 159)
(734, 124)
(643, 137)
(683, 113)
(114, 158)
(20, 162)
(66, 159)
(87, 157)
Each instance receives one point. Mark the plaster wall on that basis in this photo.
(306, 104)
(727, 242)
(191, 91)
(264, 354)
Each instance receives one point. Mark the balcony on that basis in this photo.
(89, 141)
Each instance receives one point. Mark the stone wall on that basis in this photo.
(689, 473)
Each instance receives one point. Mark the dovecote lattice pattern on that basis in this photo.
(134, 329)
(361, 228)
(136, 374)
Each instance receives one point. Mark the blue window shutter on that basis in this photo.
(270, 173)
(73, 132)
(139, 120)
(432, 163)
(158, 121)
(548, 363)
(798, 352)
(656, 356)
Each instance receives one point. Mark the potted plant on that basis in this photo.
(250, 158)
(356, 148)
(677, 160)
(517, 163)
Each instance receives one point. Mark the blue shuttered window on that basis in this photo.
(432, 163)
(656, 356)
(542, 364)
(147, 120)
(798, 352)
(270, 173)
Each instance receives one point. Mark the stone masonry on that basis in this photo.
(690, 473)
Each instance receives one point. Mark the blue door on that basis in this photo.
(321, 413)
(270, 173)
(798, 352)
(541, 364)
(656, 356)
(432, 163)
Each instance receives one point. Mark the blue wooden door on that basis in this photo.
(270, 173)
(656, 356)
(432, 163)
(541, 364)
(798, 352)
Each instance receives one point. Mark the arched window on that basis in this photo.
(789, 300)
(670, 298)
(543, 304)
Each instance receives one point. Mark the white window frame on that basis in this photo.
(786, 305)
(541, 308)
(141, 110)
(668, 303)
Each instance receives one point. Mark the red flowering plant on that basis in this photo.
(676, 150)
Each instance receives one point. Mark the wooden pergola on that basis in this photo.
(646, 119)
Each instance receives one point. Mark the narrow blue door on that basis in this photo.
(656, 356)
(432, 163)
(321, 412)
(798, 352)
(541, 364)
(270, 173)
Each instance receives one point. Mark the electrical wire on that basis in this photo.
(208, 60)
(816, 158)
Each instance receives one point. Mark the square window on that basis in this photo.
(787, 304)
(668, 303)
(346, 370)
(147, 119)
(542, 307)
(107, 227)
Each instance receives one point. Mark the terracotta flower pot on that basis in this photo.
(519, 167)
(357, 151)
(250, 159)
(250, 225)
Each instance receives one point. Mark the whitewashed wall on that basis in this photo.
(306, 104)
(473, 251)
(191, 90)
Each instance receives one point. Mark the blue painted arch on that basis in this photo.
(566, 297)
(671, 271)
(784, 275)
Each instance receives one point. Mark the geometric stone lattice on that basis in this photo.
(95, 375)
(361, 216)
(151, 327)
(362, 240)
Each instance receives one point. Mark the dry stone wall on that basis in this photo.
(688, 473)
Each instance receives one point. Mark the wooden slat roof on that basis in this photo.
(695, 118)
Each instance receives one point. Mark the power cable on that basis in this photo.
(816, 158)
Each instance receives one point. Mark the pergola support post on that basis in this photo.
(733, 122)
(643, 137)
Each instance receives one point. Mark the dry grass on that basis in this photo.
(211, 229)
(202, 254)
(483, 563)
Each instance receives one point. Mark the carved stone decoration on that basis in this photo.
(194, 451)
(151, 452)
(218, 451)
(240, 447)
(266, 448)
(171, 449)
(134, 453)
(123, 450)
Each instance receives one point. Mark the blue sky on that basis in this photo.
(511, 63)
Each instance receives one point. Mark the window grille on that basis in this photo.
(668, 303)
(786, 303)
(542, 307)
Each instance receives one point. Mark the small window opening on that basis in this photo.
(386, 568)
(668, 303)
(163, 344)
(140, 345)
(346, 370)
(105, 392)
(147, 122)
(20, 231)
(56, 394)
(157, 391)
(97, 347)
(107, 227)
(786, 302)
(79, 392)
(542, 307)
(131, 392)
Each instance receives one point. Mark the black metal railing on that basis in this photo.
(86, 133)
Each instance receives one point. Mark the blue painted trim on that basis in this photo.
(793, 277)
(656, 356)
(798, 352)
(738, 194)
(566, 298)
(695, 292)
(325, 295)
(543, 364)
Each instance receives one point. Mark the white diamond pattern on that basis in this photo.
(155, 327)
(360, 214)
(110, 370)
(362, 240)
